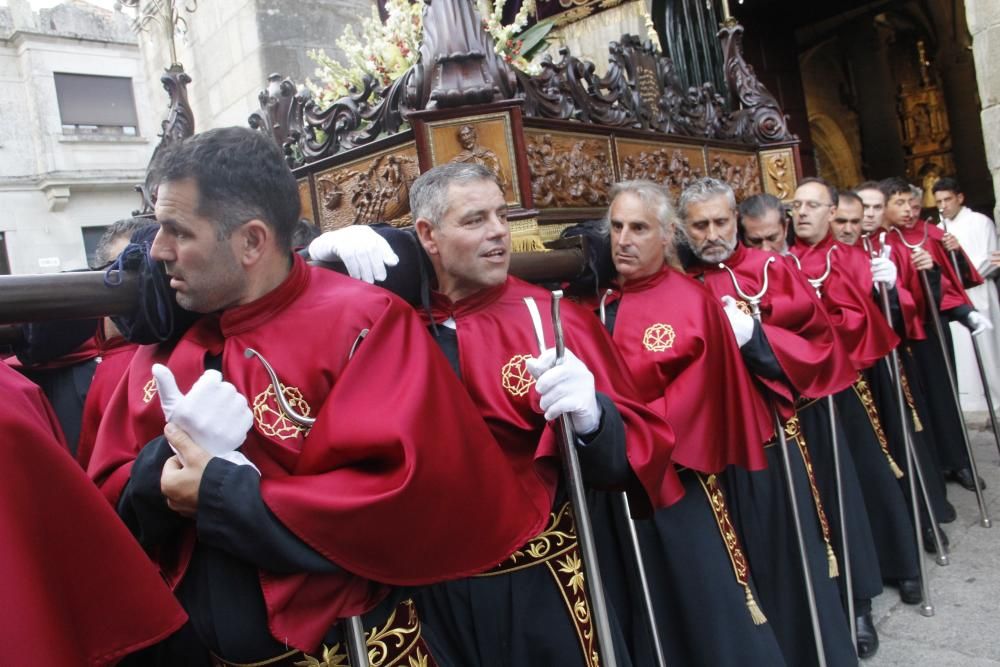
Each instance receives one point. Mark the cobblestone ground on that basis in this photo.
(965, 628)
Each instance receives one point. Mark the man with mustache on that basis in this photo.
(847, 218)
(783, 352)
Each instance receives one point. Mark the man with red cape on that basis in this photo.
(295, 457)
(525, 611)
(783, 352)
(678, 344)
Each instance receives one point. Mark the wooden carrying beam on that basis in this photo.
(84, 294)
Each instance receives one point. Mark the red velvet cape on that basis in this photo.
(952, 289)
(76, 587)
(794, 321)
(909, 293)
(495, 336)
(847, 296)
(115, 356)
(398, 481)
(675, 338)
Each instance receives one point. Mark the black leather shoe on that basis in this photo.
(949, 514)
(867, 636)
(964, 479)
(909, 591)
(929, 545)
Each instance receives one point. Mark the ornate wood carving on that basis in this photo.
(457, 65)
(179, 124)
(672, 165)
(569, 170)
(778, 168)
(486, 139)
(740, 170)
(759, 119)
(373, 189)
(280, 115)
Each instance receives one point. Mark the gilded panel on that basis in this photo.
(778, 167)
(740, 170)
(305, 197)
(569, 170)
(374, 188)
(673, 165)
(485, 139)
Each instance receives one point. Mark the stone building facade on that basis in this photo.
(76, 131)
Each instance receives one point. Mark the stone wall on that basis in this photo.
(53, 185)
(984, 24)
(230, 49)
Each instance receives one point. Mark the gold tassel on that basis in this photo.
(831, 562)
(525, 236)
(527, 244)
(917, 426)
(756, 614)
(895, 469)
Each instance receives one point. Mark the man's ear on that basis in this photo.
(255, 236)
(426, 234)
(960, 198)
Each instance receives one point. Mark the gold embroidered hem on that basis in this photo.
(917, 425)
(864, 394)
(794, 432)
(741, 568)
(556, 548)
(398, 643)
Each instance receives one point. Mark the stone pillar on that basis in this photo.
(984, 24)
(881, 147)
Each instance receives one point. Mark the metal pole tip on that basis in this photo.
(942, 561)
(926, 610)
(986, 523)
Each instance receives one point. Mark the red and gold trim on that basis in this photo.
(864, 394)
(741, 568)
(556, 547)
(910, 403)
(793, 431)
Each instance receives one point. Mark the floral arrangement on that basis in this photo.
(386, 50)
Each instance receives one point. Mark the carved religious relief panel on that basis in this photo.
(675, 166)
(740, 170)
(371, 189)
(569, 170)
(484, 139)
(778, 168)
(306, 198)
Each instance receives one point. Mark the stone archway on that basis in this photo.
(835, 161)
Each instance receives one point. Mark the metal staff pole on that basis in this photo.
(984, 518)
(817, 284)
(754, 302)
(912, 469)
(640, 563)
(351, 627)
(979, 359)
(577, 496)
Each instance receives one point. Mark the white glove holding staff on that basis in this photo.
(741, 323)
(977, 323)
(359, 247)
(566, 389)
(213, 412)
(883, 269)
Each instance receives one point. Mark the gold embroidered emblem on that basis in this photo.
(658, 337)
(149, 390)
(271, 421)
(515, 376)
(744, 306)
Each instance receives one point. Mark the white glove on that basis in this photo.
(566, 389)
(977, 323)
(213, 413)
(741, 323)
(359, 247)
(884, 271)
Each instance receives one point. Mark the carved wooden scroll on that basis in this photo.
(778, 170)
